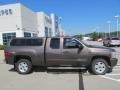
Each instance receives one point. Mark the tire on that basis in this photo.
(23, 66)
(109, 70)
(99, 66)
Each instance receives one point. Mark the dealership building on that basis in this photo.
(16, 20)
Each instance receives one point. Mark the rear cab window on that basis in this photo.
(55, 43)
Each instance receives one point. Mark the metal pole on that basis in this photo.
(117, 28)
(105, 35)
(117, 17)
(109, 29)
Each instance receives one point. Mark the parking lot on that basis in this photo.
(58, 80)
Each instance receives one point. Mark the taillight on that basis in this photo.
(7, 54)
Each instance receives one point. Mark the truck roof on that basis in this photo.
(39, 37)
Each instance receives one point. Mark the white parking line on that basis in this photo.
(116, 69)
(104, 76)
(112, 74)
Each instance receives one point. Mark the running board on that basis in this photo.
(66, 68)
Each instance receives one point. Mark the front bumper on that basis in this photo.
(113, 62)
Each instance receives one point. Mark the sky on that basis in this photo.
(78, 16)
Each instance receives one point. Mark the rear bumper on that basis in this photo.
(9, 61)
(113, 62)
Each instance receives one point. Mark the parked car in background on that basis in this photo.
(111, 41)
(100, 40)
(87, 39)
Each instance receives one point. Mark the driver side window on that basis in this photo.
(70, 43)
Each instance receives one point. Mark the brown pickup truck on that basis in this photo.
(59, 52)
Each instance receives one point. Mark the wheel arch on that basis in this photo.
(18, 57)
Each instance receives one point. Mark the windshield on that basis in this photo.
(115, 38)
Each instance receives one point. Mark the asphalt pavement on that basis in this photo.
(57, 80)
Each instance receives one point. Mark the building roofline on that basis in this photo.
(17, 3)
(6, 4)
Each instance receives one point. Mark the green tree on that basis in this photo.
(78, 36)
(94, 35)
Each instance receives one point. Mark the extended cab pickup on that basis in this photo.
(59, 52)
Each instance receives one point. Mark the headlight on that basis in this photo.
(113, 54)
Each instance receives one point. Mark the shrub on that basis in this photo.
(2, 47)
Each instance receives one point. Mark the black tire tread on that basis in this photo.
(93, 63)
(29, 66)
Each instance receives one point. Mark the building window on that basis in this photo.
(46, 32)
(7, 37)
(6, 12)
(26, 34)
(35, 35)
(2, 12)
(50, 32)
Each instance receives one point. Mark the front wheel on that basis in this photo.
(23, 66)
(99, 66)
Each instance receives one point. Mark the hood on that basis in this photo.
(101, 47)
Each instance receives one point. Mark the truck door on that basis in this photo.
(53, 52)
(73, 52)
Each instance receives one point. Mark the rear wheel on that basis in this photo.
(99, 66)
(23, 66)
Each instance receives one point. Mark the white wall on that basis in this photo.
(9, 22)
(29, 19)
(40, 24)
(43, 21)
